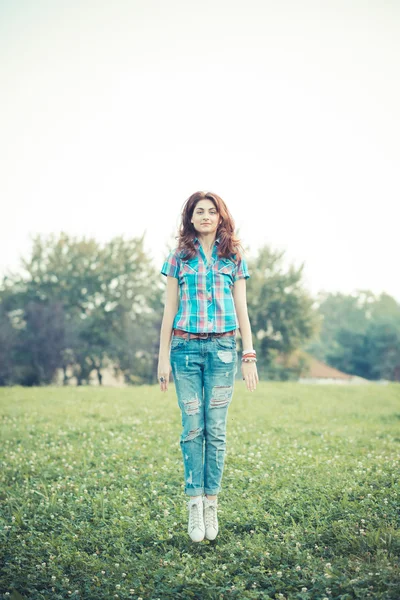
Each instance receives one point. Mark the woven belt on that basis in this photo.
(201, 336)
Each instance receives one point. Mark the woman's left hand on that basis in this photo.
(250, 375)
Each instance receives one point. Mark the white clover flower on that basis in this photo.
(304, 589)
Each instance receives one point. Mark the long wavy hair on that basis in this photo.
(229, 246)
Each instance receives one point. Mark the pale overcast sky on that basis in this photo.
(113, 113)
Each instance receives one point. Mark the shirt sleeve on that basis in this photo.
(171, 266)
(241, 271)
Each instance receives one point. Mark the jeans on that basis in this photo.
(204, 373)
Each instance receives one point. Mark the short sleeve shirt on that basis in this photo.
(205, 290)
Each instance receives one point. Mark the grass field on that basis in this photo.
(92, 501)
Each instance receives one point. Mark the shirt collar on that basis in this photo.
(197, 241)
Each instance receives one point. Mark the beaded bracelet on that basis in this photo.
(249, 359)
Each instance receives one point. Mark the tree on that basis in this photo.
(100, 289)
(339, 311)
(40, 343)
(360, 334)
(281, 312)
(8, 344)
(383, 340)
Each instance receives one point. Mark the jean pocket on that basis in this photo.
(177, 342)
(226, 343)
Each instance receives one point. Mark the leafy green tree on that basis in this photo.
(339, 311)
(359, 334)
(40, 343)
(8, 345)
(100, 289)
(383, 339)
(351, 353)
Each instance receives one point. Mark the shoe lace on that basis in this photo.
(194, 515)
(211, 516)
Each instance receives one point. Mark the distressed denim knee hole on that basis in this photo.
(192, 434)
(192, 405)
(220, 396)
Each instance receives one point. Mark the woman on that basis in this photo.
(205, 304)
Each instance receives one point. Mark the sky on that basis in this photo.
(113, 113)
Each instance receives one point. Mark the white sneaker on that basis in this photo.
(210, 518)
(196, 523)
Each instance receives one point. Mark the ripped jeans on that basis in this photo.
(204, 373)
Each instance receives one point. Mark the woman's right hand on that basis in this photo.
(164, 370)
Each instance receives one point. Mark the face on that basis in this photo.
(205, 217)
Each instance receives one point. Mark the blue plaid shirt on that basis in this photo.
(205, 290)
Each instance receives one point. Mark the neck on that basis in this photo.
(207, 240)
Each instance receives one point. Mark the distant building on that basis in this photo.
(320, 372)
(316, 371)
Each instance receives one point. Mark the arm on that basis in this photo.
(249, 370)
(239, 298)
(170, 310)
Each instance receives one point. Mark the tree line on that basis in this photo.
(79, 307)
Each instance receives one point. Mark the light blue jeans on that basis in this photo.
(204, 373)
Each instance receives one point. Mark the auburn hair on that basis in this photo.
(229, 246)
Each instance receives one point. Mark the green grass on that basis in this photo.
(92, 501)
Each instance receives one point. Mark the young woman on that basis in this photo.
(205, 304)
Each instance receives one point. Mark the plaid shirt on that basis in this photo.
(206, 301)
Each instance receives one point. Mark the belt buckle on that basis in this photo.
(204, 336)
